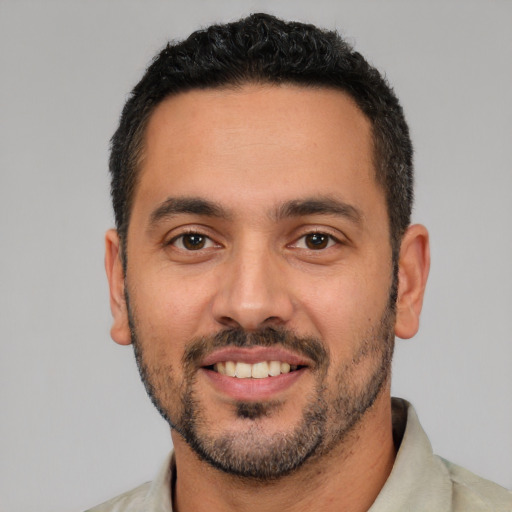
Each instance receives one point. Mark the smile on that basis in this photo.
(255, 373)
(259, 370)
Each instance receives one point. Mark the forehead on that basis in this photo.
(257, 140)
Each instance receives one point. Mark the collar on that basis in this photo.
(419, 480)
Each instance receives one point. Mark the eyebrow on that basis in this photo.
(319, 206)
(173, 206)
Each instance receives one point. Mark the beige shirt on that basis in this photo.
(419, 482)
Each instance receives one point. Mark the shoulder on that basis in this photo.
(473, 493)
(151, 496)
(130, 501)
(423, 481)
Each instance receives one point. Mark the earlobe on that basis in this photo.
(120, 331)
(414, 265)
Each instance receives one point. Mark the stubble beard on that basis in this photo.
(328, 417)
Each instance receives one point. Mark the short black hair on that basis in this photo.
(266, 50)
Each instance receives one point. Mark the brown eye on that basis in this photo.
(317, 241)
(192, 242)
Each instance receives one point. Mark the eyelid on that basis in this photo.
(330, 243)
(189, 230)
(209, 243)
(334, 235)
(300, 243)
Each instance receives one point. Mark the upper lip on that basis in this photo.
(254, 355)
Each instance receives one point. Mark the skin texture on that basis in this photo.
(257, 152)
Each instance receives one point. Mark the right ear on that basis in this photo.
(120, 331)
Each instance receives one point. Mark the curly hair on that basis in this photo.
(266, 50)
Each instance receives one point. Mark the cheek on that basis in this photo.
(345, 306)
(168, 310)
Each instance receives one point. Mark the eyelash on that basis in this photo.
(330, 241)
(190, 233)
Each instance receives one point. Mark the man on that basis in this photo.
(262, 264)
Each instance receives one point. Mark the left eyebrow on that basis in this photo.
(318, 206)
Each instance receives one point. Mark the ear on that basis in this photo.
(414, 264)
(120, 331)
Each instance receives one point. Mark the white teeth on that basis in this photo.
(260, 370)
(274, 368)
(230, 368)
(243, 370)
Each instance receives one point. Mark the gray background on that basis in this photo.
(76, 427)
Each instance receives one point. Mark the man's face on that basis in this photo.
(259, 245)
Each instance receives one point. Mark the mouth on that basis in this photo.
(254, 374)
(258, 370)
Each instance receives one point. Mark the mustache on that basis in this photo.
(307, 346)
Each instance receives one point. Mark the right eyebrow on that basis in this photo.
(173, 206)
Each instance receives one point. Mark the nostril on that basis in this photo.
(228, 322)
(251, 324)
(273, 320)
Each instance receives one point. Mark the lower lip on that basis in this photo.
(252, 389)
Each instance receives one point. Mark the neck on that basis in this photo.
(348, 478)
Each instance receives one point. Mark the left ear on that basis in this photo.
(414, 264)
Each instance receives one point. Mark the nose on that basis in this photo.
(253, 292)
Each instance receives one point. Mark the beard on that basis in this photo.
(330, 414)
